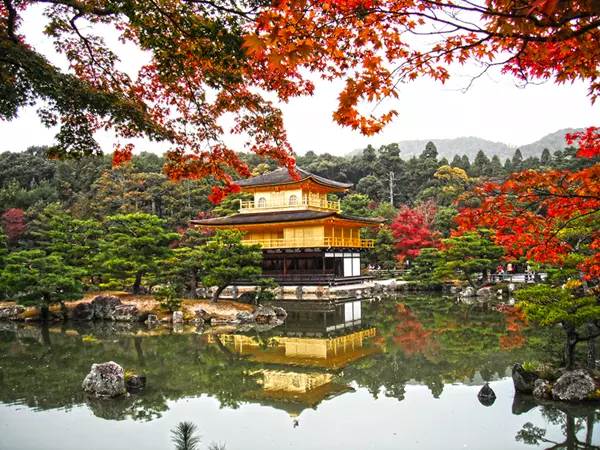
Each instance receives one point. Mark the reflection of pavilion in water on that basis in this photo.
(303, 357)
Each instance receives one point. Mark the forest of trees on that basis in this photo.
(83, 224)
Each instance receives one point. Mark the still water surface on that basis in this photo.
(399, 374)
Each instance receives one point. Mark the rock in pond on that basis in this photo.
(245, 317)
(126, 313)
(486, 395)
(574, 386)
(135, 382)
(104, 306)
(83, 311)
(542, 389)
(485, 292)
(264, 314)
(152, 319)
(467, 292)
(523, 380)
(203, 315)
(178, 317)
(224, 321)
(280, 312)
(105, 380)
(11, 312)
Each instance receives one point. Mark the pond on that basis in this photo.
(400, 373)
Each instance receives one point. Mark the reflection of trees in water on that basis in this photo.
(176, 366)
(432, 340)
(428, 340)
(572, 420)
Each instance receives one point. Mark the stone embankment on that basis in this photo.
(564, 386)
(367, 290)
(110, 308)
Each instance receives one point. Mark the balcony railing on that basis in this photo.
(312, 242)
(303, 203)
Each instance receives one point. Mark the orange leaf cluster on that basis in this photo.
(533, 211)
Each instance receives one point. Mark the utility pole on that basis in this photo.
(392, 188)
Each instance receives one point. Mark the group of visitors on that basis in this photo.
(373, 268)
(504, 273)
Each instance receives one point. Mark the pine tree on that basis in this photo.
(225, 259)
(133, 247)
(517, 161)
(34, 278)
(546, 158)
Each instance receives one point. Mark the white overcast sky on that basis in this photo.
(494, 109)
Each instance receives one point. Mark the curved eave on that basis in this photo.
(264, 220)
(256, 184)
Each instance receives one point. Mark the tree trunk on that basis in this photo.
(591, 346)
(571, 433)
(217, 293)
(138, 282)
(46, 335)
(44, 313)
(571, 343)
(471, 282)
(194, 285)
(590, 429)
(137, 341)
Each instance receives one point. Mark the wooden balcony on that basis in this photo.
(326, 242)
(304, 203)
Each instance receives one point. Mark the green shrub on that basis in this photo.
(166, 296)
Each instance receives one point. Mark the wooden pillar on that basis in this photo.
(284, 267)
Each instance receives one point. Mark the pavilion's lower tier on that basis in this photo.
(313, 266)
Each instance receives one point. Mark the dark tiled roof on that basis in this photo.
(280, 216)
(282, 176)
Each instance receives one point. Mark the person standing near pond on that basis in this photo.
(509, 269)
(500, 272)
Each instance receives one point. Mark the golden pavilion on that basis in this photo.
(306, 239)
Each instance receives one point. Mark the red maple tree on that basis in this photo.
(13, 225)
(227, 59)
(413, 230)
(537, 213)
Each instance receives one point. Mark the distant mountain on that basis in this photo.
(471, 145)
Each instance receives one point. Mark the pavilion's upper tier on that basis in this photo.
(282, 179)
(277, 190)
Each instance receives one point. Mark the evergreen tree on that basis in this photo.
(496, 168)
(133, 247)
(33, 278)
(481, 165)
(430, 151)
(76, 241)
(472, 253)
(3, 248)
(185, 266)
(384, 252)
(466, 164)
(549, 306)
(226, 259)
(356, 205)
(508, 168)
(517, 161)
(457, 161)
(422, 269)
(546, 158)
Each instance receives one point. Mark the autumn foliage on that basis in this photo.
(410, 334)
(221, 67)
(13, 225)
(545, 215)
(413, 230)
